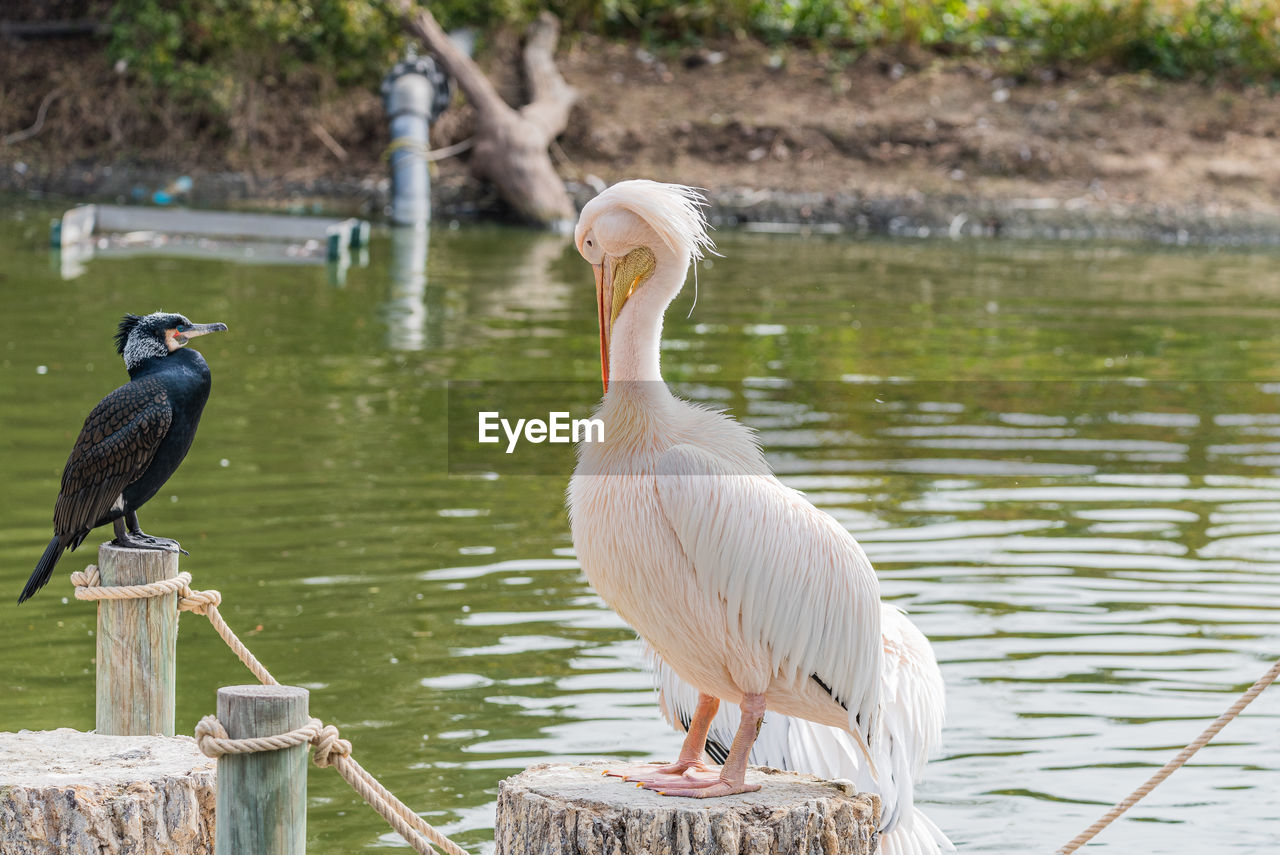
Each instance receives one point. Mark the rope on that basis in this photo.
(214, 741)
(87, 586)
(330, 748)
(1169, 768)
(430, 154)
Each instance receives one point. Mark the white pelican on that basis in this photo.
(746, 590)
(912, 698)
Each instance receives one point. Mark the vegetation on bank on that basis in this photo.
(205, 46)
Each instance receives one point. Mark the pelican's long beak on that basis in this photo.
(616, 280)
(198, 329)
(604, 301)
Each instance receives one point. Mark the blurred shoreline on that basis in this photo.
(783, 139)
(753, 209)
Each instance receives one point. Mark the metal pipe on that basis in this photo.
(415, 93)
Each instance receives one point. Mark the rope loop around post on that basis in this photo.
(213, 741)
(330, 748)
(89, 587)
(200, 602)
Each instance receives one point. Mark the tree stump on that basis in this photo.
(64, 792)
(554, 809)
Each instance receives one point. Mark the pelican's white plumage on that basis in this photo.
(672, 211)
(745, 589)
(909, 731)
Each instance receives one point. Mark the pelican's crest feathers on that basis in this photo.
(673, 211)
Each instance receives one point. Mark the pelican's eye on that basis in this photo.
(590, 249)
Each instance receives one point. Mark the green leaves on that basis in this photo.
(209, 47)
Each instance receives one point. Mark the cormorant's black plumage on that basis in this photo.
(125, 327)
(134, 439)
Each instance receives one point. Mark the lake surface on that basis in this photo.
(1064, 461)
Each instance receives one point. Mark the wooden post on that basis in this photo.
(137, 645)
(262, 797)
(556, 809)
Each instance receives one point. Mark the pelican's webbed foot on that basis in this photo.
(654, 775)
(707, 789)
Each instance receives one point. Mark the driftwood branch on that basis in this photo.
(511, 146)
(552, 97)
(470, 79)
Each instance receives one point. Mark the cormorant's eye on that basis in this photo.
(182, 327)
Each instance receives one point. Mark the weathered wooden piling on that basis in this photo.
(137, 645)
(555, 809)
(262, 797)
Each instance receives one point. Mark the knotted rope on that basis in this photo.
(87, 583)
(212, 738)
(1169, 768)
(330, 748)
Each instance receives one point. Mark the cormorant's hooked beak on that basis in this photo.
(198, 330)
(616, 280)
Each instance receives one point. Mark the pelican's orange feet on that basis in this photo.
(709, 791)
(692, 779)
(653, 775)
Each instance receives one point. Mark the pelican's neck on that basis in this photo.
(636, 405)
(637, 339)
(637, 334)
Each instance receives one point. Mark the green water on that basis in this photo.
(1064, 461)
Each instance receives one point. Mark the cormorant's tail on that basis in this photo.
(44, 570)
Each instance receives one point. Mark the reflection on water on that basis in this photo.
(1064, 461)
(410, 324)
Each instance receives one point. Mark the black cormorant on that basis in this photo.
(133, 440)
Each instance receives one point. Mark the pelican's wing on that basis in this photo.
(913, 706)
(913, 695)
(910, 730)
(831, 753)
(806, 593)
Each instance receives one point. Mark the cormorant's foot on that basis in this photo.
(137, 540)
(652, 775)
(712, 790)
(165, 543)
(169, 544)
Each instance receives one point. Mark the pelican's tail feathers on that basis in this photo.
(915, 834)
